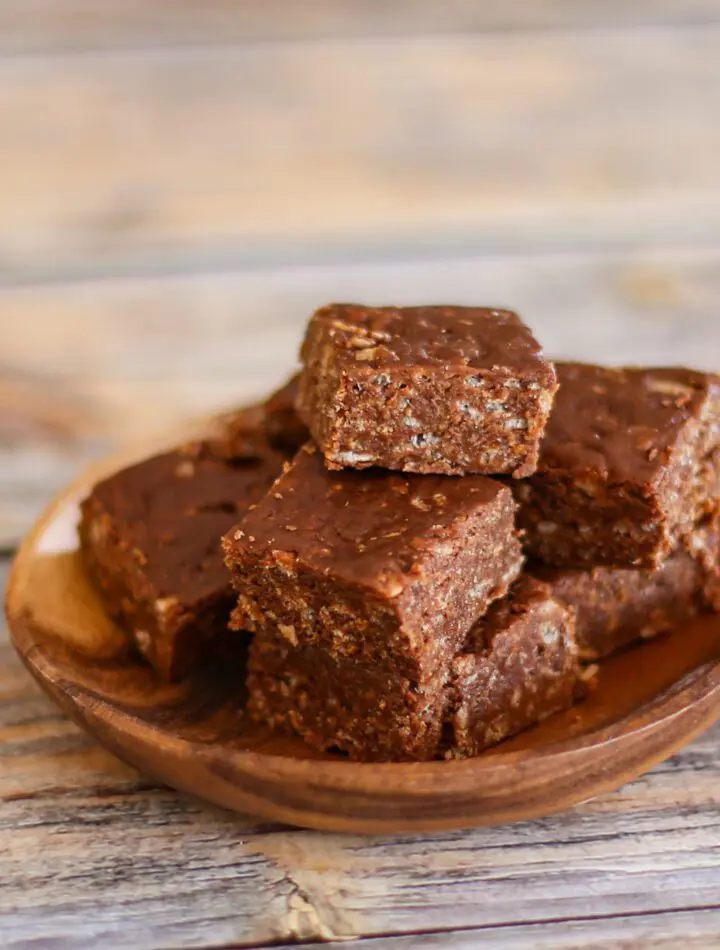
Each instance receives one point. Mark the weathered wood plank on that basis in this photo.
(696, 930)
(93, 855)
(87, 366)
(48, 25)
(161, 158)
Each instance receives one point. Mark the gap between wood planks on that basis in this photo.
(393, 939)
(266, 257)
(234, 41)
(72, 26)
(543, 933)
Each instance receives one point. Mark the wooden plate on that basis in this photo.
(650, 701)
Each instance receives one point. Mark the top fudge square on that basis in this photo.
(629, 465)
(436, 390)
(387, 569)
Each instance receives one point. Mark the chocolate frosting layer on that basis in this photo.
(620, 424)
(173, 510)
(374, 528)
(473, 337)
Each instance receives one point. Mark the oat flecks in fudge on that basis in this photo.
(617, 606)
(519, 666)
(335, 702)
(151, 539)
(440, 389)
(388, 568)
(629, 464)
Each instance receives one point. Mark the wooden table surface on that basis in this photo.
(181, 183)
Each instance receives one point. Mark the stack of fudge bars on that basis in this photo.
(430, 531)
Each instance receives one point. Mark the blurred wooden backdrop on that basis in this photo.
(182, 182)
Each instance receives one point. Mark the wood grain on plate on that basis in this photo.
(277, 151)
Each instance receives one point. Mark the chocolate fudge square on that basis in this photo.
(519, 666)
(445, 390)
(151, 539)
(617, 606)
(337, 703)
(390, 569)
(629, 464)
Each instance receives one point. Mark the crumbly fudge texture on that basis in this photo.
(519, 666)
(445, 390)
(616, 606)
(391, 569)
(630, 463)
(336, 703)
(151, 538)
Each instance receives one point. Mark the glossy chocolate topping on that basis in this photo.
(471, 337)
(173, 510)
(375, 527)
(620, 424)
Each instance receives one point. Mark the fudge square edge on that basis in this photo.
(336, 702)
(150, 537)
(392, 569)
(616, 606)
(436, 389)
(629, 464)
(519, 665)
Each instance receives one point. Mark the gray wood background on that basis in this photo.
(181, 183)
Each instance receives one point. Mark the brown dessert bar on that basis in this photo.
(335, 702)
(617, 606)
(390, 569)
(629, 464)
(520, 665)
(151, 538)
(445, 390)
